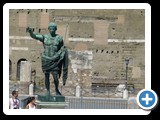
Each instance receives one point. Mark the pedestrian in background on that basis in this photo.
(14, 102)
(31, 103)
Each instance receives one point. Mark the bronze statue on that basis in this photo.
(54, 57)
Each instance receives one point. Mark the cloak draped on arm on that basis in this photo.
(59, 62)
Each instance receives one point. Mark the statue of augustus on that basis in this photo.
(54, 58)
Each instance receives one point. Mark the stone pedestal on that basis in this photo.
(51, 105)
(51, 102)
(50, 98)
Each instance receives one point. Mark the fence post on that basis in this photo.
(125, 94)
(31, 88)
(78, 91)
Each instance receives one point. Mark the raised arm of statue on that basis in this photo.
(34, 35)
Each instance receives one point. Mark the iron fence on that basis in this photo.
(104, 92)
(90, 98)
(96, 103)
(84, 91)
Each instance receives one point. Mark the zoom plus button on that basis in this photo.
(147, 99)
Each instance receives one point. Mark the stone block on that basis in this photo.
(121, 19)
(136, 72)
(80, 47)
(100, 32)
(25, 71)
(44, 20)
(22, 20)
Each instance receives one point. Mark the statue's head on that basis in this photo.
(52, 27)
(52, 24)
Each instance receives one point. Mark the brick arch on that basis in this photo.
(18, 67)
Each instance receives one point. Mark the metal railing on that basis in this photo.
(105, 92)
(90, 98)
(96, 103)
(109, 92)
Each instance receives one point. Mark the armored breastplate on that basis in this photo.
(50, 46)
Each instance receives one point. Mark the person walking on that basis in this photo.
(31, 103)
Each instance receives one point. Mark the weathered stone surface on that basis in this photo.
(23, 20)
(25, 71)
(136, 72)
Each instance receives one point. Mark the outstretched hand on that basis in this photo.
(28, 29)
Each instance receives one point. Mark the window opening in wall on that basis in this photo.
(101, 51)
(39, 30)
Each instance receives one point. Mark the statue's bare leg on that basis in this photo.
(47, 83)
(56, 81)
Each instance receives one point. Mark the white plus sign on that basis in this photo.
(147, 99)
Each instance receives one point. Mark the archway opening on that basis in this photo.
(19, 67)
